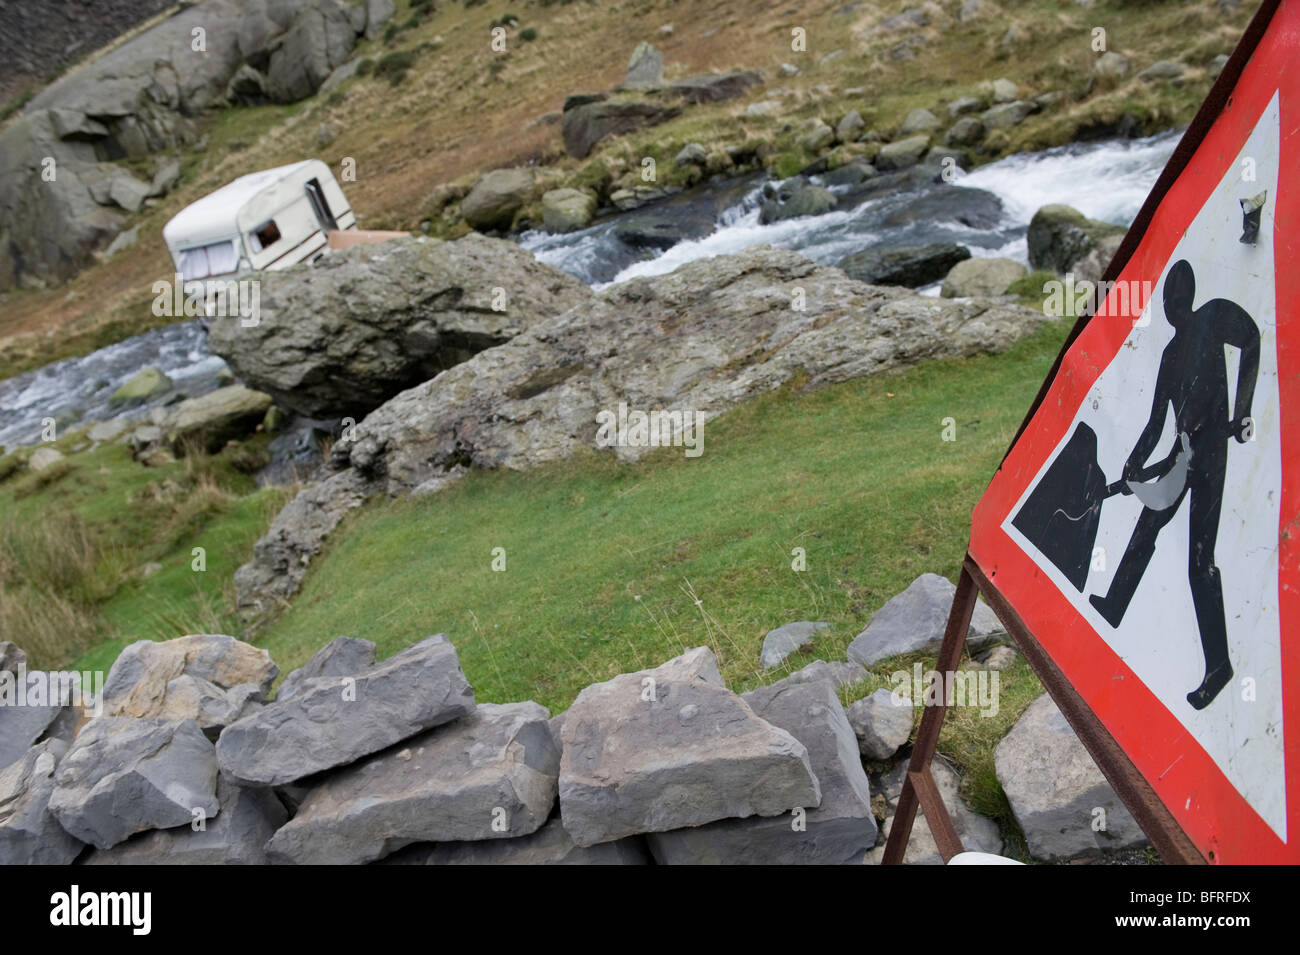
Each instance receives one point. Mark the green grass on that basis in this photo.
(605, 562)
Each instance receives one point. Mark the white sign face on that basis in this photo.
(1152, 586)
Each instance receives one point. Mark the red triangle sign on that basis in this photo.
(1145, 525)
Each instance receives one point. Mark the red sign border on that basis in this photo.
(1195, 791)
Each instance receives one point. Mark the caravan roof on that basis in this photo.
(216, 215)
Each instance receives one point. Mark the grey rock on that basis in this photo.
(850, 127)
(248, 87)
(491, 775)
(326, 133)
(734, 336)
(1059, 236)
(1055, 789)
(496, 197)
(880, 724)
(796, 197)
(1163, 71)
(902, 154)
(1093, 266)
(214, 418)
(333, 721)
(342, 656)
(817, 137)
(915, 620)
(838, 673)
(43, 458)
(716, 87)
(999, 658)
(645, 70)
(587, 123)
(165, 178)
(567, 210)
(838, 831)
(22, 726)
(791, 638)
(124, 775)
(236, 836)
(1052, 98)
(981, 277)
(340, 75)
(912, 18)
(918, 121)
(128, 192)
(549, 845)
(1005, 91)
(692, 154)
(123, 241)
(965, 132)
(909, 266)
(977, 833)
(634, 764)
(320, 38)
(378, 13)
(1006, 114)
(1217, 64)
(74, 124)
(362, 325)
(29, 833)
(12, 657)
(966, 104)
(1111, 66)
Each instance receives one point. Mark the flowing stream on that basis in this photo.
(1106, 180)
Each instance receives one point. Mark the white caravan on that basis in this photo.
(266, 220)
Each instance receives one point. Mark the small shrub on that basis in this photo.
(394, 65)
(390, 34)
(10, 464)
(365, 66)
(528, 35)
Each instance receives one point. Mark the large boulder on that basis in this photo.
(341, 337)
(722, 330)
(213, 419)
(672, 747)
(237, 836)
(332, 721)
(915, 620)
(124, 775)
(902, 154)
(320, 38)
(585, 123)
(144, 384)
(496, 197)
(1061, 800)
(912, 266)
(29, 833)
(981, 277)
(838, 831)
(1061, 235)
(567, 210)
(490, 775)
(549, 845)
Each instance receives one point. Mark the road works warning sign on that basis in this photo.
(1145, 525)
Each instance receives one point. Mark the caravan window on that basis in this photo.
(218, 258)
(268, 233)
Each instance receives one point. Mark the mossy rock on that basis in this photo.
(143, 385)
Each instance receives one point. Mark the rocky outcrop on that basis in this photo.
(334, 720)
(338, 338)
(707, 337)
(490, 775)
(981, 277)
(320, 38)
(648, 752)
(1060, 798)
(210, 420)
(715, 87)
(645, 70)
(915, 620)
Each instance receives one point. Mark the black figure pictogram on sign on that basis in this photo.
(1061, 515)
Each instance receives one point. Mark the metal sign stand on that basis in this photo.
(919, 787)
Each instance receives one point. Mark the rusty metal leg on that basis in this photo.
(918, 784)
